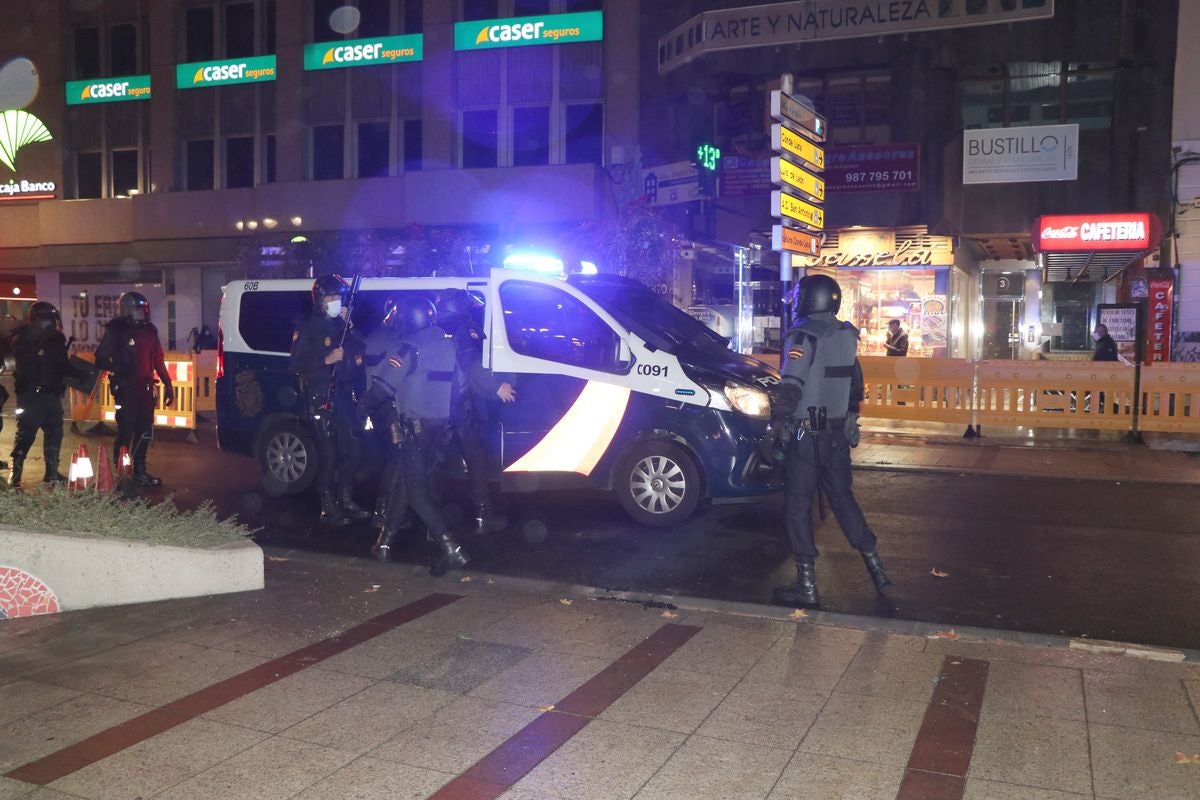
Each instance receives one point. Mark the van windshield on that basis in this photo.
(656, 321)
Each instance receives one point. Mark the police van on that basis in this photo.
(616, 389)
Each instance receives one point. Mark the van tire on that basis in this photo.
(657, 484)
(287, 458)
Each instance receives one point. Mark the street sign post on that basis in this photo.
(796, 139)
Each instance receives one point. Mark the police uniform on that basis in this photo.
(822, 368)
(39, 350)
(417, 377)
(132, 354)
(330, 394)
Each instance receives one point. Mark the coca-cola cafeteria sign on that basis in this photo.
(1072, 232)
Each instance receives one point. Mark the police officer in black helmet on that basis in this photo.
(818, 400)
(39, 351)
(458, 316)
(132, 354)
(417, 376)
(327, 355)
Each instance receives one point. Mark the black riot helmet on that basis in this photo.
(817, 294)
(134, 306)
(329, 286)
(454, 304)
(409, 313)
(43, 315)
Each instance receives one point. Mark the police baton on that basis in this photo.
(814, 428)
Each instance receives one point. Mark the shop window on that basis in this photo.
(479, 138)
(413, 147)
(545, 322)
(328, 152)
(125, 173)
(375, 18)
(87, 53)
(199, 33)
(239, 162)
(584, 133)
(373, 145)
(200, 168)
(122, 50)
(89, 181)
(531, 136)
(239, 30)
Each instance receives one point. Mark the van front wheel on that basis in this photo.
(287, 458)
(658, 484)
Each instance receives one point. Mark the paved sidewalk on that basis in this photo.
(350, 679)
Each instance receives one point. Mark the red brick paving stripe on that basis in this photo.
(941, 755)
(119, 737)
(496, 772)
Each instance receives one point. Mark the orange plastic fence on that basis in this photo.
(927, 389)
(181, 414)
(1050, 394)
(1170, 398)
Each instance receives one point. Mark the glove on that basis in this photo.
(852, 430)
(168, 394)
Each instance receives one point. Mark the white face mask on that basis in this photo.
(1095, 336)
(333, 308)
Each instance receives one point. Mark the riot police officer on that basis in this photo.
(819, 396)
(39, 350)
(458, 316)
(417, 376)
(328, 357)
(132, 354)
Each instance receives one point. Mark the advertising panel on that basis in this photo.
(873, 168)
(364, 52)
(1084, 232)
(1158, 328)
(202, 74)
(20, 129)
(668, 184)
(1021, 155)
(108, 90)
(484, 34)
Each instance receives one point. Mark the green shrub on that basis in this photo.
(56, 510)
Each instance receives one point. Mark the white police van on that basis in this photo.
(617, 389)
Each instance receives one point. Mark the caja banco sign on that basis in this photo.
(484, 34)
(19, 129)
(201, 74)
(364, 52)
(108, 90)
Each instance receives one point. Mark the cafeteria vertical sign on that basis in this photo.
(486, 34)
(202, 74)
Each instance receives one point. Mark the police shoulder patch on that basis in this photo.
(328, 341)
(474, 334)
(395, 362)
(795, 352)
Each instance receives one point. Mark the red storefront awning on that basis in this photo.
(1093, 247)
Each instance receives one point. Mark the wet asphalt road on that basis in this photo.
(1088, 558)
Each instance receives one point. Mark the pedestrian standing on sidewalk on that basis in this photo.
(1106, 347)
(896, 342)
(818, 399)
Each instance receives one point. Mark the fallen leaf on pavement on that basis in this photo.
(566, 601)
(950, 634)
(374, 587)
(278, 558)
(546, 709)
(465, 579)
(799, 613)
(669, 615)
(1186, 758)
(937, 573)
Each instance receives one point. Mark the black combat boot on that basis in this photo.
(451, 557)
(802, 593)
(140, 476)
(18, 465)
(52, 474)
(382, 549)
(331, 513)
(486, 520)
(875, 567)
(351, 509)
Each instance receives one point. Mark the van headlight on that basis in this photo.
(748, 400)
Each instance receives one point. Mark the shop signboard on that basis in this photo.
(485, 34)
(364, 52)
(1084, 232)
(108, 90)
(20, 129)
(873, 168)
(1021, 155)
(678, 182)
(799, 21)
(1158, 327)
(745, 176)
(202, 74)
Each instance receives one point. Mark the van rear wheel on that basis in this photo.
(287, 458)
(658, 484)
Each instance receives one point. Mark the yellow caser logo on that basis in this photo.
(87, 92)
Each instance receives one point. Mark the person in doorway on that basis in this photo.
(1106, 347)
(896, 342)
(132, 354)
(818, 400)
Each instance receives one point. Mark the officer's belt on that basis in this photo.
(840, 372)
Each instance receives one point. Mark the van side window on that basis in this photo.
(545, 322)
(267, 319)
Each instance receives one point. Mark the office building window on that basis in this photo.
(375, 18)
(87, 53)
(413, 147)
(123, 50)
(269, 27)
(858, 105)
(531, 136)
(239, 162)
(479, 138)
(199, 34)
(584, 133)
(89, 180)
(582, 5)
(1037, 93)
(328, 152)
(269, 158)
(480, 9)
(239, 30)
(413, 16)
(200, 170)
(125, 173)
(530, 8)
(326, 15)
(373, 149)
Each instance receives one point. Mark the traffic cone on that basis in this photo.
(83, 469)
(104, 481)
(124, 463)
(73, 472)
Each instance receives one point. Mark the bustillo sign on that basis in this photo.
(364, 52)
(1021, 155)
(108, 90)
(201, 74)
(484, 34)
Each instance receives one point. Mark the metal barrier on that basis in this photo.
(1047, 394)
(1170, 396)
(927, 389)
